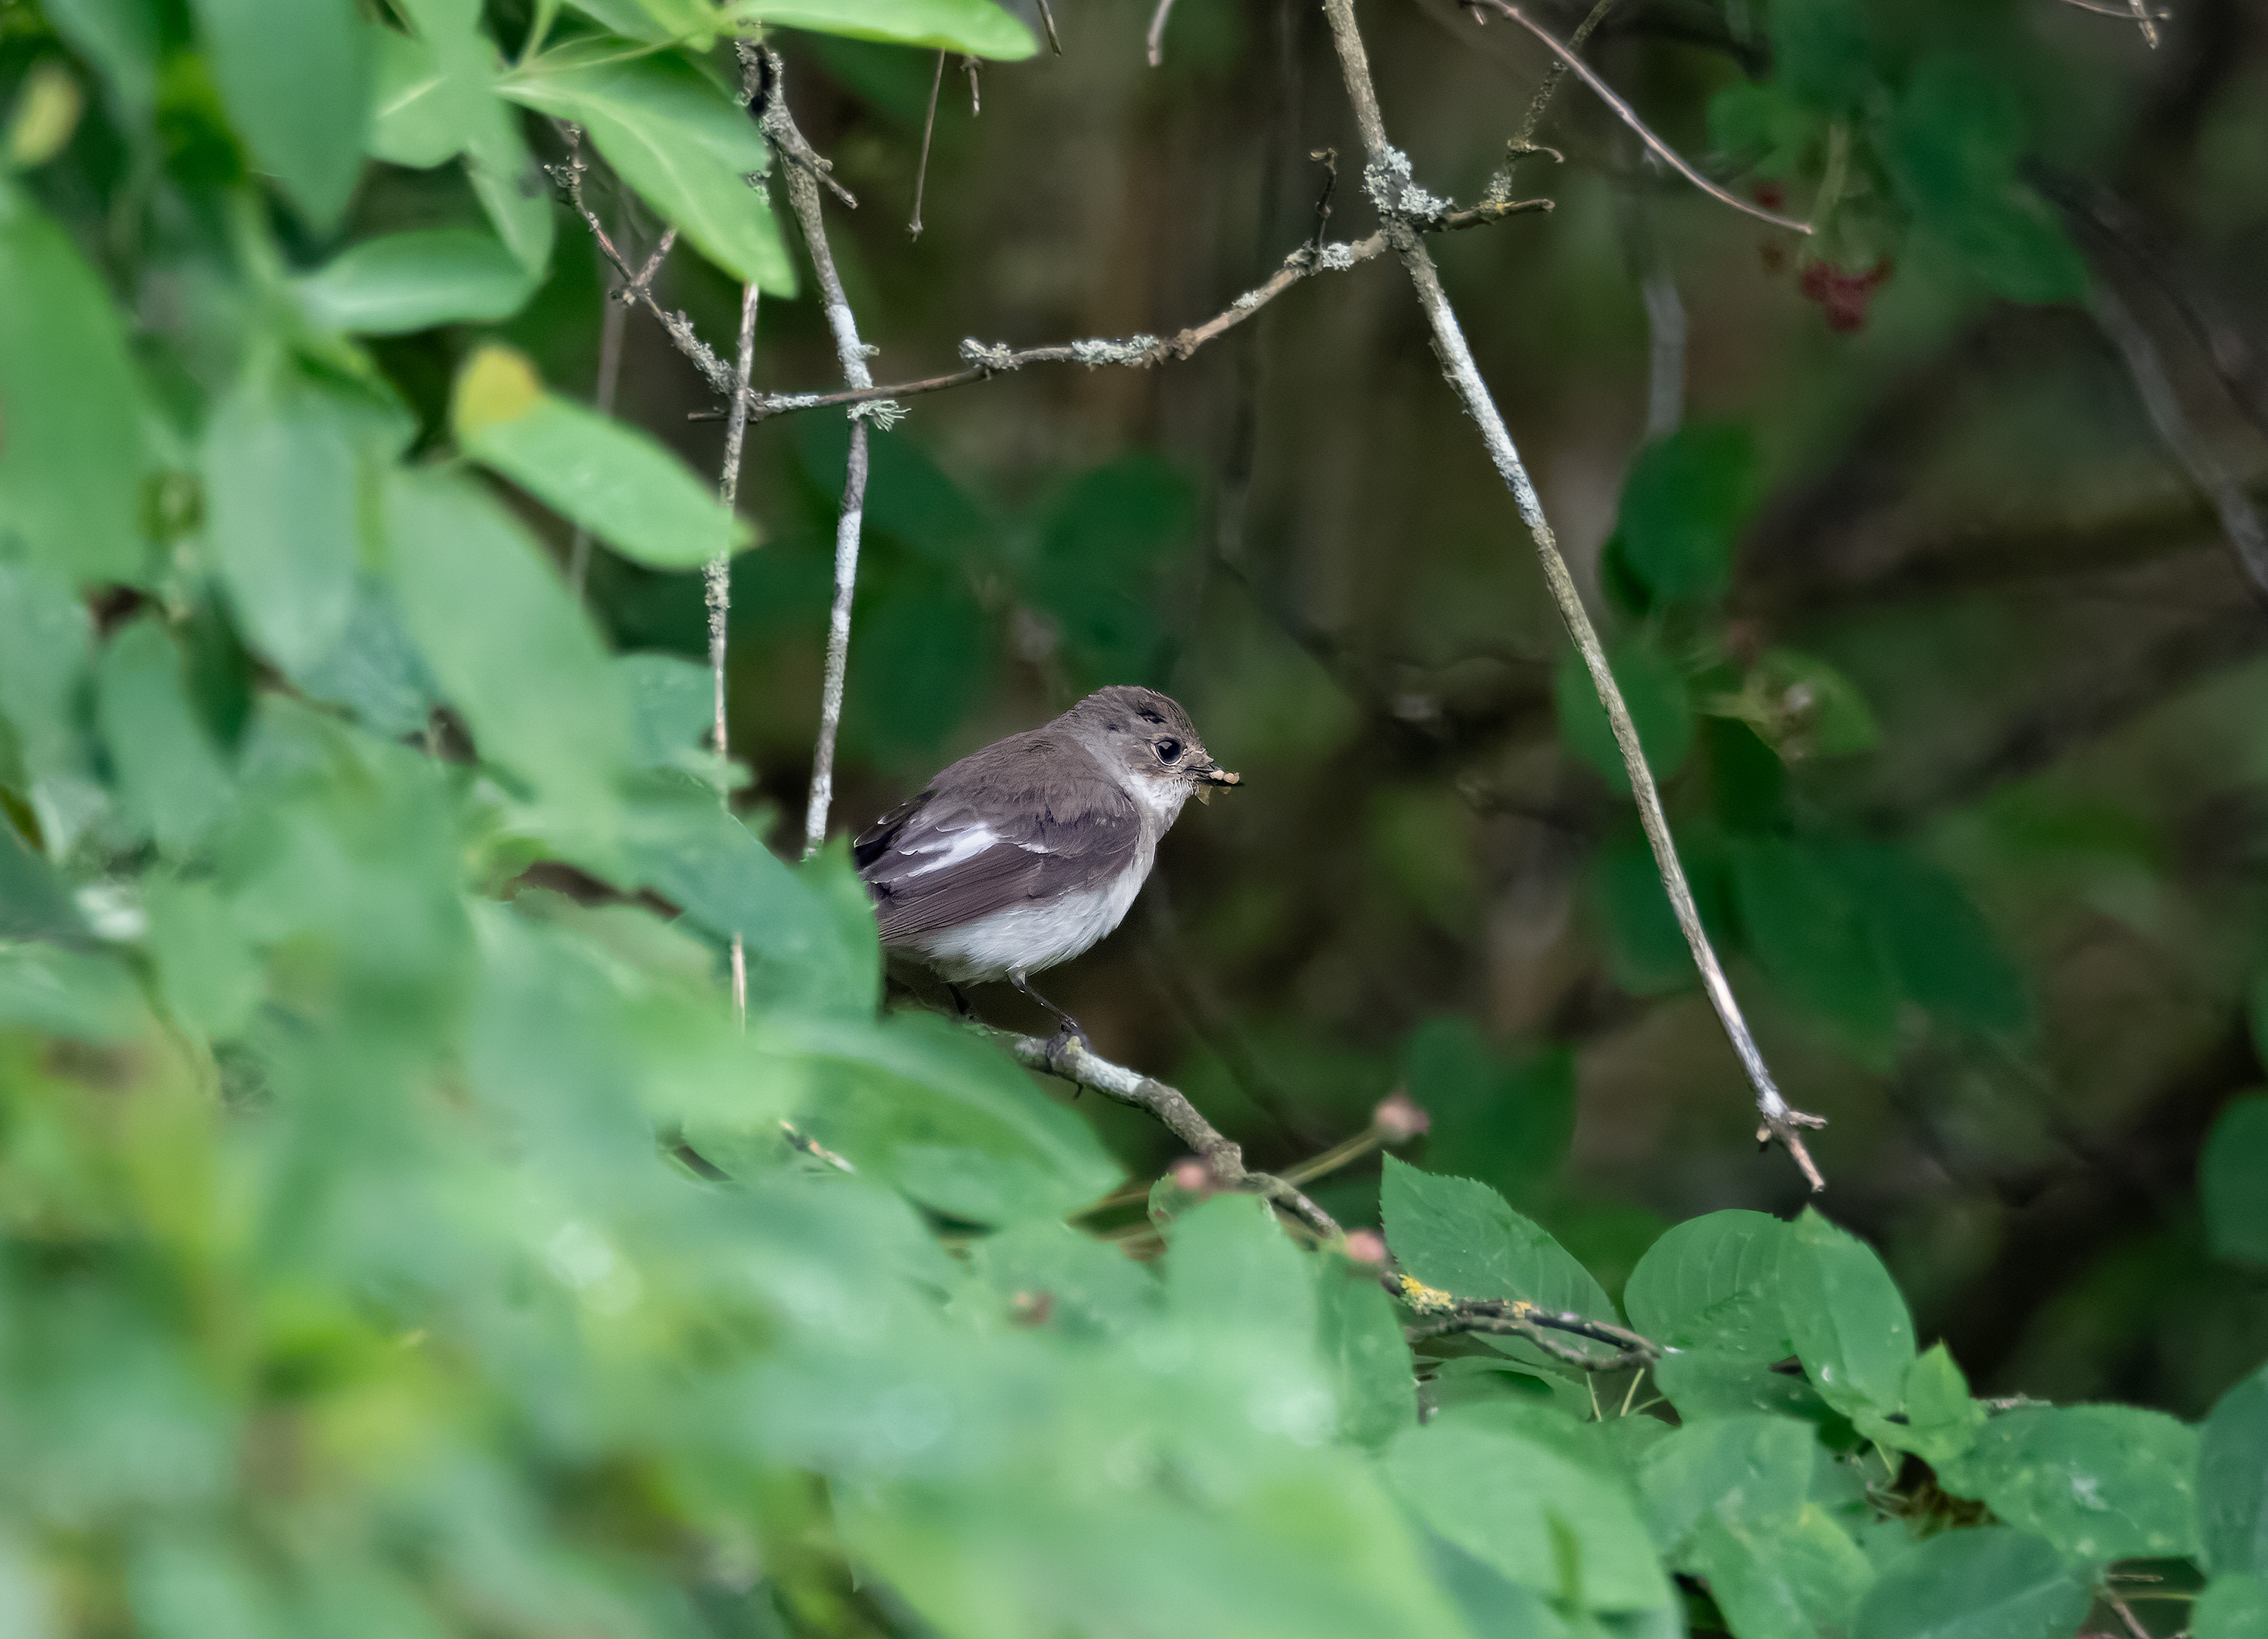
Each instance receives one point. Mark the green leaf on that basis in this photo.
(1358, 1340)
(1758, 124)
(87, 996)
(2232, 1487)
(1747, 1471)
(284, 511)
(657, 22)
(1505, 1120)
(680, 142)
(509, 647)
(1709, 1383)
(2231, 1607)
(1844, 1315)
(417, 119)
(1494, 1481)
(35, 902)
(417, 280)
(1713, 1283)
(1941, 950)
(207, 970)
(374, 670)
(46, 646)
(1986, 1584)
(673, 705)
(1103, 549)
(615, 481)
(1953, 146)
(1822, 51)
(169, 773)
(1941, 1420)
(1808, 935)
(1646, 949)
(120, 37)
(297, 75)
(70, 465)
(976, 27)
(917, 1102)
(1230, 1268)
(2100, 1483)
(1805, 708)
(1683, 504)
(1653, 689)
(1461, 1238)
(2233, 1182)
(1089, 1288)
(1785, 1580)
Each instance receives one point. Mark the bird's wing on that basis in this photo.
(1004, 828)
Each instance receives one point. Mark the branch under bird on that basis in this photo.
(1023, 854)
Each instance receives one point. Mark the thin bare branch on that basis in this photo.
(1157, 20)
(1047, 16)
(989, 359)
(1523, 141)
(803, 197)
(928, 129)
(1401, 203)
(568, 176)
(973, 69)
(1072, 1060)
(717, 587)
(1670, 156)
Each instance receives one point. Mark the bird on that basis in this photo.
(1023, 854)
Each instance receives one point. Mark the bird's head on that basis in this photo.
(1148, 736)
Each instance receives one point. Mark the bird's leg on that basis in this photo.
(1071, 1030)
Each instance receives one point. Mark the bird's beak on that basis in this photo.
(1211, 775)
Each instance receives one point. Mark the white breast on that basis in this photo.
(1037, 934)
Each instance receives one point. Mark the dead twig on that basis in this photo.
(1393, 189)
(988, 359)
(802, 178)
(1047, 16)
(1158, 19)
(1669, 156)
(928, 129)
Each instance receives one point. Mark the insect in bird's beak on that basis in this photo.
(1211, 775)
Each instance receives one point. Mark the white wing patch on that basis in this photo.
(963, 845)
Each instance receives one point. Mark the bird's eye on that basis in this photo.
(1168, 749)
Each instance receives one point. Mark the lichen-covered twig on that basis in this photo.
(802, 170)
(1442, 1314)
(1402, 203)
(988, 359)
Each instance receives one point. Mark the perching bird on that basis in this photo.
(1024, 854)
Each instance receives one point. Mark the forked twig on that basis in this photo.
(1669, 156)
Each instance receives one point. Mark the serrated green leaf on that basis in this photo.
(677, 139)
(1784, 1580)
(70, 465)
(1713, 1283)
(1659, 706)
(1750, 1472)
(297, 75)
(1481, 1478)
(2100, 1483)
(1941, 1420)
(2232, 1486)
(1846, 1317)
(1708, 1383)
(1462, 1238)
(2233, 1182)
(417, 280)
(1986, 1584)
(614, 480)
(976, 27)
